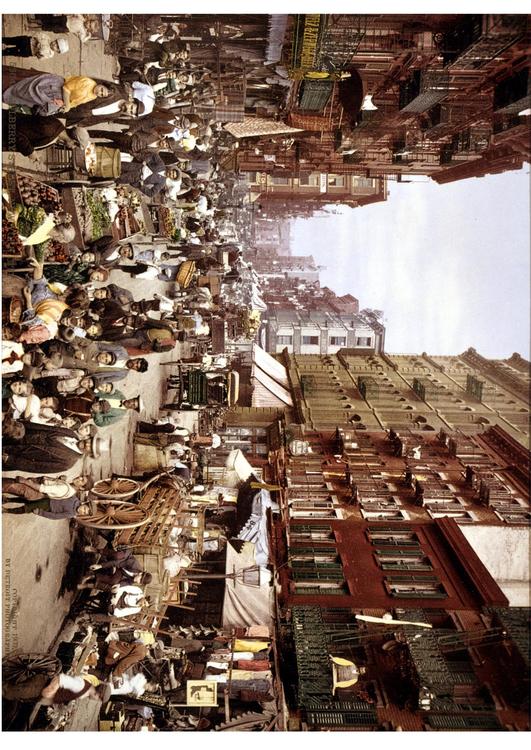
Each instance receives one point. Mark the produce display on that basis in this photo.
(11, 243)
(30, 219)
(100, 216)
(169, 224)
(34, 193)
(56, 252)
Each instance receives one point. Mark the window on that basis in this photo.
(363, 341)
(307, 570)
(364, 182)
(338, 340)
(321, 589)
(309, 179)
(280, 180)
(252, 177)
(310, 340)
(285, 340)
(415, 587)
(393, 538)
(311, 532)
(403, 560)
(250, 440)
(336, 180)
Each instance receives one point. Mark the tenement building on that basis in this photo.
(371, 391)
(401, 548)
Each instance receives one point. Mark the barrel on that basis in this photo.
(108, 162)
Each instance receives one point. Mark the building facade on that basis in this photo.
(369, 539)
(466, 393)
(447, 96)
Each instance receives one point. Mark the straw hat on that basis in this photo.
(99, 446)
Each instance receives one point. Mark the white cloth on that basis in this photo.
(135, 686)
(11, 347)
(21, 403)
(56, 489)
(75, 24)
(108, 109)
(69, 682)
(145, 94)
(70, 442)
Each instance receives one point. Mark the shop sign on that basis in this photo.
(201, 693)
(306, 44)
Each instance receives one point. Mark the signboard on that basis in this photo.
(305, 43)
(323, 183)
(201, 693)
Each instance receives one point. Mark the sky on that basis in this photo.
(448, 264)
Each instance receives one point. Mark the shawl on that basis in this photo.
(81, 90)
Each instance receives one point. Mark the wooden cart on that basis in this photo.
(165, 502)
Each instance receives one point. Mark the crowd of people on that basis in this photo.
(79, 336)
(67, 356)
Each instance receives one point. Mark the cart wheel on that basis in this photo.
(114, 514)
(25, 675)
(115, 487)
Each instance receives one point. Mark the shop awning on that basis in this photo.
(270, 365)
(234, 388)
(248, 593)
(256, 126)
(269, 381)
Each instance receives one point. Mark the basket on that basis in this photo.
(108, 162)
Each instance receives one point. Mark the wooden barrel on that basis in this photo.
(108, 162)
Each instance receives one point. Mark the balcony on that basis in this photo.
(514, 94)
(423, 90)
(477, 40)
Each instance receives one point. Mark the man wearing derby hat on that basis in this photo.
(44, 449)
(118, 406)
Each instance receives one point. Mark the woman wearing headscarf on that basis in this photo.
(47, 93)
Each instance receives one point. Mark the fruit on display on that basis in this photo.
(11, 242)
(34, 193)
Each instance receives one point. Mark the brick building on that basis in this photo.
(366, 532)
(449, 98)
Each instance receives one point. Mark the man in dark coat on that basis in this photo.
(138, 143)
(52, 508)
(29, 133)
(115, 293)
(149, 175)
(44, 449)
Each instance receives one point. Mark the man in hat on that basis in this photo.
(153, 336)
(65, 688)
(148, 176)
(39, 488)
(84, 406)
(44, 449)
(117, 408)
(138, 143)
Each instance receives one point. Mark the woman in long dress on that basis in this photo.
(47, 93)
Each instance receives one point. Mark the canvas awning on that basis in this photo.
(269, 381)
(247, 601)
(257, 126)
(237, 463)
(270, 365)
(234, 388)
